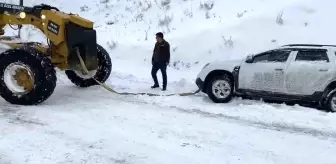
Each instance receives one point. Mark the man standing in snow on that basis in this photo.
(160, 60)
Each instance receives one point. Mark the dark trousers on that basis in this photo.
(156, 67)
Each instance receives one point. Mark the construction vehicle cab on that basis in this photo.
(27, 69)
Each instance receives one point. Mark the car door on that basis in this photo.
(266, 72)
(310, 69)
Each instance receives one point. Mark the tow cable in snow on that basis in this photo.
(86, 71)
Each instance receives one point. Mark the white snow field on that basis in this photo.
(93, 126)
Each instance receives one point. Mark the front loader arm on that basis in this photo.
(65, 32)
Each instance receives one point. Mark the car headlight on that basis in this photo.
(22, 15)
(205, 65)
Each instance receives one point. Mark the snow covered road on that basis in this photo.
(91, 126)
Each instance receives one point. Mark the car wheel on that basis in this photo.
(220, 89)
(330, 104)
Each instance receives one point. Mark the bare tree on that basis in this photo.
(279, 19)
(228, 42)
(146, 33)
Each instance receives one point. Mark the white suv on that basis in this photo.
(296, 73)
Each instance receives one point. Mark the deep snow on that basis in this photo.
(94, 126)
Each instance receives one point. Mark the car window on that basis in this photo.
(274, 56)
(312, 55)
(261, 58)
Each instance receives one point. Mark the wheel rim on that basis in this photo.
(333, 103)
(221, 89)
(19, 78)
(90, 74)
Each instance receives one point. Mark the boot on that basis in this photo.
(155, 86)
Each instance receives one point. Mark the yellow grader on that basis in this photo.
(27, 69)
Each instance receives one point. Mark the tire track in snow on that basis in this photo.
(263, 125)
(14, 116)
(275, 126)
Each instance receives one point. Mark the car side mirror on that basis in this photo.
(249, 59)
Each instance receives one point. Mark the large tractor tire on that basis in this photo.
(101, 74)
(27, 76)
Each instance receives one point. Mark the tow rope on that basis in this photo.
(86, 71)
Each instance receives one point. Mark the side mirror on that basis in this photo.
(249, 59)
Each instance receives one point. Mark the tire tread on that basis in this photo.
(41, 66)
(103, 73)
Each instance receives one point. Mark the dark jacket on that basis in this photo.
(161, 52)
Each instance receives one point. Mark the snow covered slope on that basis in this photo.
(91, 125)
(220, 29)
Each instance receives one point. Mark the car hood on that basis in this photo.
(225, 65)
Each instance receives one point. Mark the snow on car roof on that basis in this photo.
(312, 46)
